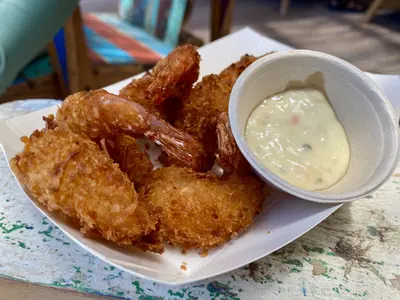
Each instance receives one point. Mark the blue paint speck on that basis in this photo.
(304, 292)
(29, 227)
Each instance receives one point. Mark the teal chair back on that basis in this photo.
(160, 18)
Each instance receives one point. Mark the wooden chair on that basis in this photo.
(376, 5)
(221, 18)
(74, 68)
(86, 71)
(83, 73)
(46, 86)
(284, 7)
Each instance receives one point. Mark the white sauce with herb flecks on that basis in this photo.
(297, 136)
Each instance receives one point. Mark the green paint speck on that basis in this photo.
(113, 276)
(295, 262)
(136, 284)
(8, 228)
(112, 268)
(336, 290)
(142, 294)
(373, 231)
(47, 232)
(294, 270)
(21, 244)
(63, 242)
(77, 269)
(44, 221)
(90, 271)
(379, 263)
(171, 293)
(313, 249)
(347, 290)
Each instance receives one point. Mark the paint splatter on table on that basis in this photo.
(353, 254)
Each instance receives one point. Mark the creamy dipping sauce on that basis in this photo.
(297, 136)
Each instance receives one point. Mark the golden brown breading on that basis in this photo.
(136, 91)
(99, 114)
(171, 79)
(199, 210)
(231, 73)
(200, 112)
(209, 98)
(50, 122)
(70, 174)
(124, 151)
(175, 75)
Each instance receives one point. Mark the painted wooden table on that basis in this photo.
(353, 254)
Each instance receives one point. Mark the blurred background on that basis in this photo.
(308, 24)
(108, 40)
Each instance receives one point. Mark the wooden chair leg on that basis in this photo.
(55, 63)
(80, 70)
(372, 10)
(221, 18)
(284, 7)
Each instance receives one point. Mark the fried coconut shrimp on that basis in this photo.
(70, 174)
(170, 80)
(123, 150)
(209, 98)
(199, 210)
(231, 73)
(200, 112)
(99, 114)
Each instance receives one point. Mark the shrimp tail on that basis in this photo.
(228, 154)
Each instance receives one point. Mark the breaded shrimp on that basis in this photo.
(231, 73)
(199, 210)
(169, 81)
(70, 174)
(200, 112)
(124, 151)
(99, 114)
(209, 98)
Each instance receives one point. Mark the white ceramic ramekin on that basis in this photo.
(365, 113)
